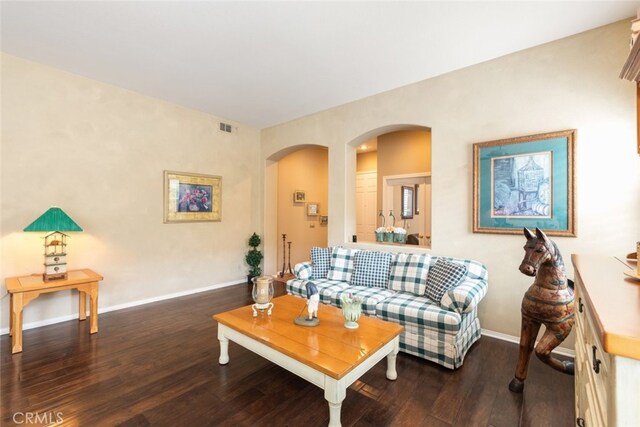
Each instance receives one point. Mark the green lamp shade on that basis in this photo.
(53, 220)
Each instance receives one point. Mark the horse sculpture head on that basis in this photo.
(537, 251)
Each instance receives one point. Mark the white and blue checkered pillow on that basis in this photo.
(409, 273)
(320, 262)
(443, 276)
(303, 270)
(341, 264)
(371, 269)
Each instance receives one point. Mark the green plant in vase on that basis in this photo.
(253, 258)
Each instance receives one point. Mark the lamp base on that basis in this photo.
(50, 277)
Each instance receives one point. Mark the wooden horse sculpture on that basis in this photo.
(548, 301)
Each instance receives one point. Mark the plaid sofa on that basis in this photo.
(441, 331)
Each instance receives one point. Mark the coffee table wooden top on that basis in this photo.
(329, 347)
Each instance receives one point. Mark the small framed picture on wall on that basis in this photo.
(299, 196)
(312, 209)
(324, 220)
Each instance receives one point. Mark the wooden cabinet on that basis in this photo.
(607, 364)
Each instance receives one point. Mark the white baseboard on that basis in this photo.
(510, 338)
(116, 307)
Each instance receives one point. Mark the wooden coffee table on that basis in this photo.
(328, 355)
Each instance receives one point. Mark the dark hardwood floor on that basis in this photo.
(157, 365)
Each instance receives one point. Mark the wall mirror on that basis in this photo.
(407, 199)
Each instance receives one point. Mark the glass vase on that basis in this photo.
(351, 313)
(262, 294)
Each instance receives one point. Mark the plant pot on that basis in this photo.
(399, 237)
(379, 237)
(388, 237)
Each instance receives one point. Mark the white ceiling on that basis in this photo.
(264, 63)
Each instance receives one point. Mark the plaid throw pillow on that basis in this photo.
(341, 264)
(409, 273)
(303, 270)
(320, 262)
(371, 269)
(443, 276)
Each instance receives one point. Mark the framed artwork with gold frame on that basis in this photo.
(191, 197)
(527, 181)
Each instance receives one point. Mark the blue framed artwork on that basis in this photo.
(526, 181)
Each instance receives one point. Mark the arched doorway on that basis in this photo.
(296, 205)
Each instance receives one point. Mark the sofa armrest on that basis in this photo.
(303, 270)
(466, 296)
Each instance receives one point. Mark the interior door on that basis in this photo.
(366, 200)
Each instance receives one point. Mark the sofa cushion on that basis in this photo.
(303, 270)
(409, 273)
(408, 309)
(467, 295)
(341, 264)
(370, 296)
(443, 276)
(326, 288)
(371, 268)
(320, 262)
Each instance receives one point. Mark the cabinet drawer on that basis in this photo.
(55, 259)
(55, 269)
(598, 359)
(591, 363)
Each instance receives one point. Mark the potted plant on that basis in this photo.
(254, 257)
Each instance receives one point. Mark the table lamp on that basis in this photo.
(54, 221)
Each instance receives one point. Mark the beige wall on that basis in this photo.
(367, 162)
(401, 153)
(567, 84)
(306, 170)
(98, 152)
(404, 152)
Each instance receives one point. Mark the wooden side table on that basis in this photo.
(280, 283)
(25, 289)
(284, 279)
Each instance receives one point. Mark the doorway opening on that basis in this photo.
(390, 165)
(296, 205)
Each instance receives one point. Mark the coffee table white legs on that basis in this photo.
(334, 392)
(224, 349)
(391, 363)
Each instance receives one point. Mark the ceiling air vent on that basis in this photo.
(226, 127)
